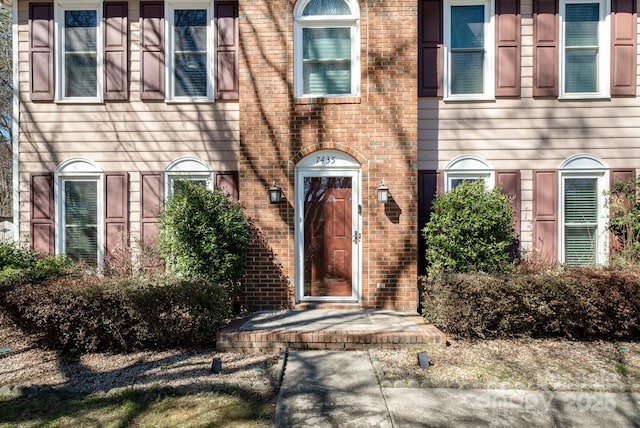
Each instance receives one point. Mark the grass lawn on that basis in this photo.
(138, 408)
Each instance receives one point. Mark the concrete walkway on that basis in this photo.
(330, 389)
(340, 389)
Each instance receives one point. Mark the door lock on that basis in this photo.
(357, 236)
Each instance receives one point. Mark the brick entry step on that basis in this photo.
(342, 329)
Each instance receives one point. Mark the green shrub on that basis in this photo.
(624, 223)
(90, 313)
(470, 229)
(581, 303)
(204, 234)
(20, 265)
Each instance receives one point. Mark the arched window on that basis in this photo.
(80, 211)
(187, 168)
(583, 211)
(326, 48)
(467, 168)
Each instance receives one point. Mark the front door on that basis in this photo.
(328, 235)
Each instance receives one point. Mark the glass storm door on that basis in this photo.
(327, 235)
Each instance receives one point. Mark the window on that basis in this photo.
(469, 49)
(326, 48)
(189, 65)
(79, 231)
(585, 49)
(80, 209)
(583, 225)
(79, 63)
(183, 169)
(468, 168)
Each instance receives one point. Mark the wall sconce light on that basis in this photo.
(383, 193)
(275, 194)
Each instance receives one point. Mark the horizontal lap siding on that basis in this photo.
(127, 140)
(529, 134)
(116, 137)
(518, 133)
(133, 136)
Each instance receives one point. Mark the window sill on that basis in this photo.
(189, 101)
(469, 99)
(328, 100)
(80, 101)
(581, 97)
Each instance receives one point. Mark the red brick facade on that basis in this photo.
(378, 129)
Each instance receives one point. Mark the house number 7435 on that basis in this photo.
(325, 160)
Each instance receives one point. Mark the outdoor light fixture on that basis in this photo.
(216, 366)
(275, 194)
(383, 193)
(423, 360)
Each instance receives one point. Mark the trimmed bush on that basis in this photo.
(203, 234)
(84, 313)
(624, 203)
(469, 229)
(581, 303)
(22, 265)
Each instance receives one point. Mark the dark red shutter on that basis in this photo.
(116, 44)
(623, 47)
(508, 181)
(116, 215)
(429, 185)
(430, 49)
(507, 48)
(545, 48)
(41, 50)
(42, 213)
(545, 215)
(152, 50)
(620, 175)
(227, 47)
(152, 189)
(228, 180)
(615, 175)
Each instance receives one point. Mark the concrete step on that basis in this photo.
(328, 330)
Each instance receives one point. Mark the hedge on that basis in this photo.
(581, 303)
(85, 314)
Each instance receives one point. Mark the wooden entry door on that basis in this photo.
(328, 237)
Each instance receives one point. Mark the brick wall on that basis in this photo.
(379, 129)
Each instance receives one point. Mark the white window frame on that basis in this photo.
(489, 51)
(170, 8)
(325, 21)
(186, 168)
(468, 167)
(604, 60)
(78, 169)
(60, 7)
(587, 166)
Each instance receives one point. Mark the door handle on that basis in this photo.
(357, 236)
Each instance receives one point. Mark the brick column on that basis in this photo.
(379, 128)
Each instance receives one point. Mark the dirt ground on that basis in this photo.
(521, 364)
(517, 364)
(24, 364)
